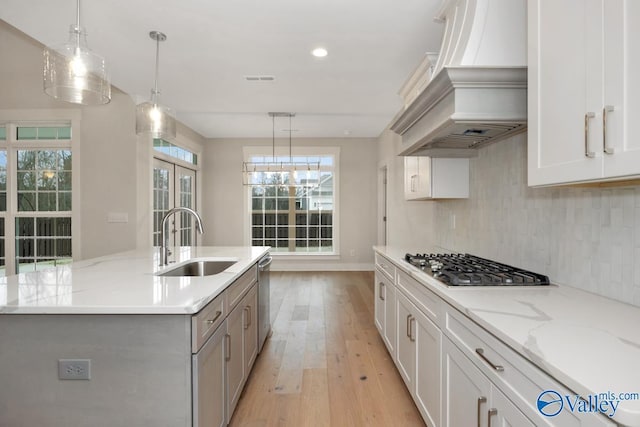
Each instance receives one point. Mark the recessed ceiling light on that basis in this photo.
(319, 52)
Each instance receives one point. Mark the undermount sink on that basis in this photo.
(198, 268)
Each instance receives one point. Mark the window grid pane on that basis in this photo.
(174, 151)
(44, 180)
(160, 201)
(42, 242)
(295, 219)
(29, 133)
(186, 220)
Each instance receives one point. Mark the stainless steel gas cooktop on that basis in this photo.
(469, 270)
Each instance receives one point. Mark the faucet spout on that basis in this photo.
(164, 237)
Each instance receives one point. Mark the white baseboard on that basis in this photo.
(296, 265)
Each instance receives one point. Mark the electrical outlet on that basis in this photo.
(352, 252)
(74, 369)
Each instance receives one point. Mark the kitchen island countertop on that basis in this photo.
(124, 283)
(588, 342)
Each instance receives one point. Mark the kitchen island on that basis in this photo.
(134, 326)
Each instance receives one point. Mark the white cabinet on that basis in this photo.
(470, 399)
(472, 358)
(418, 357)
(435, 178)
(385, 310)
(583, 94)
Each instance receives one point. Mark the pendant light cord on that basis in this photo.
(273, 137)
(290, 156)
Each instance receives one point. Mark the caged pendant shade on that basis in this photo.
(152, 117)
(73, 73)
(292, 173)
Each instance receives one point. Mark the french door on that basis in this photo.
(173, 186)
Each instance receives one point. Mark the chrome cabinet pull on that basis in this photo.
(480, 352)
(408, 326)
(413, 183)
(481, 400)
(381, 295)
(605, 110)
(411, 322)
(491, 413)
(247, 310)
(250, 316)
(212, 321)
(588, 153)
(227, 355)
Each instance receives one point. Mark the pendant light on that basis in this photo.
(73, 73)
(296, 173)
(152, 117)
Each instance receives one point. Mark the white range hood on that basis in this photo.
(478, 92)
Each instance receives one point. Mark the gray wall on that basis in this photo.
(224, 204)
(585, 237)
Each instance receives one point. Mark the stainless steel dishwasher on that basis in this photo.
(264, 291)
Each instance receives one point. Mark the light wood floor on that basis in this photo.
(325, 364)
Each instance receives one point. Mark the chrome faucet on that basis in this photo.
(164, 244)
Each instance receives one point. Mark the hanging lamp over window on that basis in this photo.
(297, 172)
(152, 117)
(73, 73)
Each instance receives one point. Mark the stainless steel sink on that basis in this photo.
(198, 268)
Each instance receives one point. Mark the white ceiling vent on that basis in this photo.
(258, 78)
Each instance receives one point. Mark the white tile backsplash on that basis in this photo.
(586, 237)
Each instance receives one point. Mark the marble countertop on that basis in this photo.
(589, 343)
(124, 283)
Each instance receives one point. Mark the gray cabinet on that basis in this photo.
(208, 367)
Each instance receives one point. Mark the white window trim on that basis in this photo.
(43, 117)
(267, 151)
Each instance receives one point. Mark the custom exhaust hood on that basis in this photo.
(478, 92)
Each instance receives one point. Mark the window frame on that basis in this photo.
(12, 119)
(310, 151)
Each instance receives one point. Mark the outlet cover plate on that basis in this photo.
(74, 369)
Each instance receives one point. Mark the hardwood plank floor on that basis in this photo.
(325, 363)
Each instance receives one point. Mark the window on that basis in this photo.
(36, 214)
(295, 211)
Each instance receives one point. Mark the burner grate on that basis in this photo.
(470, 270)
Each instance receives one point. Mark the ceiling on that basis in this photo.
(213, 44)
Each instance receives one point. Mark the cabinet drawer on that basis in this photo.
(204, 324)
(426, 301)
(514, 375)
(236, 291)
(385, 266)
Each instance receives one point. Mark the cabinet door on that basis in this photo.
(465, 390)
(428, 381)
(208, 382)
(390, 327)
(250, 333)
(503, 413)
(621, 87)
(406, 350)
(379, 305)
(235, 357)
(564, 86)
